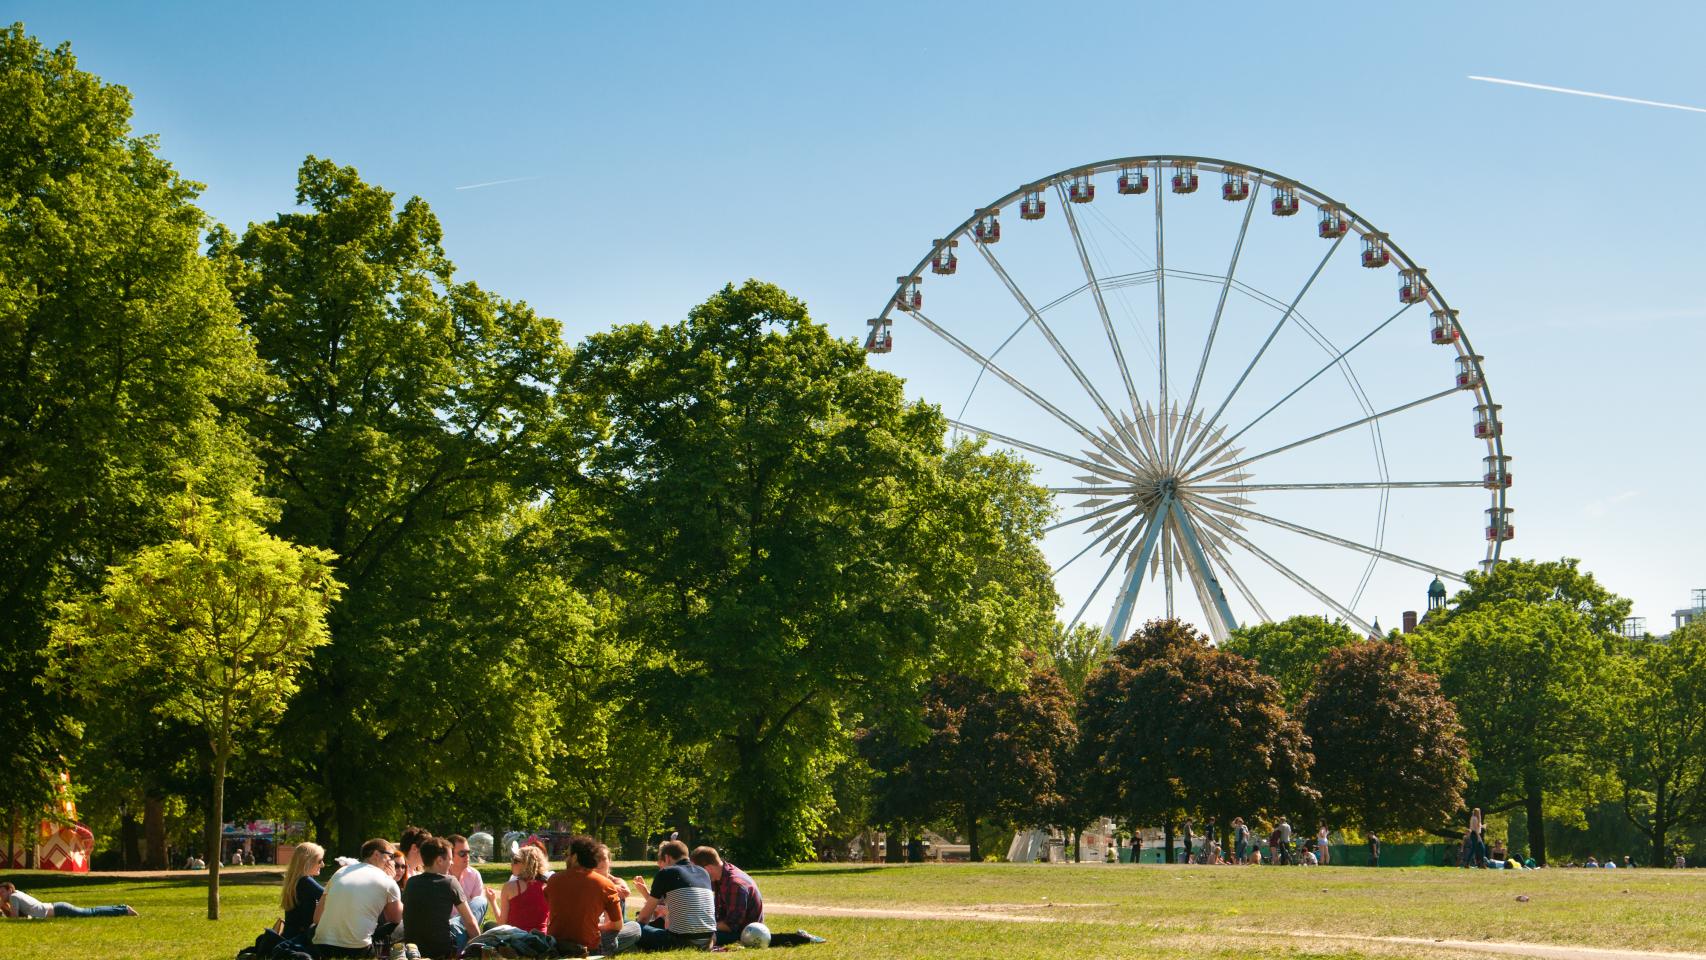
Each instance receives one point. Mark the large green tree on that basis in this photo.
(800, 546)
(1529, 683)
(1656, 734)
(118, 346)
(991, 753)
(411, 417)
(218, 621)
(1291, 650)
(1389, 754)
(1170, 725)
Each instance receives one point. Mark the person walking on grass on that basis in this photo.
(15, 904)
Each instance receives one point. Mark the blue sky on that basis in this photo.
(669, 149)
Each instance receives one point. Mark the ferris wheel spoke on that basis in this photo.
(1214, 326)
(1103, 511)
(1101, 490)
(1289, 310)
(1108, 328)
(1111, 450)
(1093, 467)
(1327, 538)
(1237, 464)
(1292, 575)
(1205, 458)
(1120, 554)
(1356, 485)
(1161, 330)
(1053, 341)
(1219, 558)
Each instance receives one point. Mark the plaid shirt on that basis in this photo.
(738, 902)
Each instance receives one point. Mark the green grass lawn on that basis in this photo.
(1098, 911)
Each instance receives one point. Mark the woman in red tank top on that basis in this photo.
(524, 903)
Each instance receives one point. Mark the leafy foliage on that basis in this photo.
(1541, 581)
(119, 347)
(800, 546)
(1388, 754)
(410, 423)
(1170, 724)
(991, 753)
(1291, 650)
(219, 621)
(1527, 679)
(1656, 735)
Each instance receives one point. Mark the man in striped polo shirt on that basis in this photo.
(681, 896)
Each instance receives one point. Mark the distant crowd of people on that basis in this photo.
(1253, 846)
(424, 897)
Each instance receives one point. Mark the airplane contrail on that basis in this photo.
(495, 183)
(1589, 93)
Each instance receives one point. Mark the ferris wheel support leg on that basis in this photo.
(1121, 616)
(1217, 595)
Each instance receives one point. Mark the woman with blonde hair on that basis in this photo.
(302, 890)
(523, 898)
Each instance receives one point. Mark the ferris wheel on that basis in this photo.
(1231, 407)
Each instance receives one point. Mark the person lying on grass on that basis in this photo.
(15, 904)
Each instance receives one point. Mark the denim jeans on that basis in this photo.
(657, 938)
(612, 942)
(478, 907)
(67, 910)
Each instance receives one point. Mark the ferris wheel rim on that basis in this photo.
(1258, 177)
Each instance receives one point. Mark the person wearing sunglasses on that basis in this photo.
(474, 891)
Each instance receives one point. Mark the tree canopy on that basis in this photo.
(802, 546)
(1388, 752)
(120, 348)
(1527, 679)
(1173, 725)
(409, 418)
(1291, 650)
(1656, 734)
(218, 621)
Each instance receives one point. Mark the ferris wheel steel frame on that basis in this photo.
(1157, 489)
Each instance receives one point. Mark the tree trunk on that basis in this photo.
(1167, 840)
(975, 853)
(321, 819)
(154, 833)
(349, 825)
(915, 849)
(129, 840)
(1661, 826)
(1077, 843)
(896, 845)
(1536, 822)
(215, 821)
(12, 841)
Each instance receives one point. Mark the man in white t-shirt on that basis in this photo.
(18, 905)
(358, 898)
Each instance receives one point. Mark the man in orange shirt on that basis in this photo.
(585, 905)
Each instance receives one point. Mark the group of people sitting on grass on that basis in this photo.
(423, 897)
